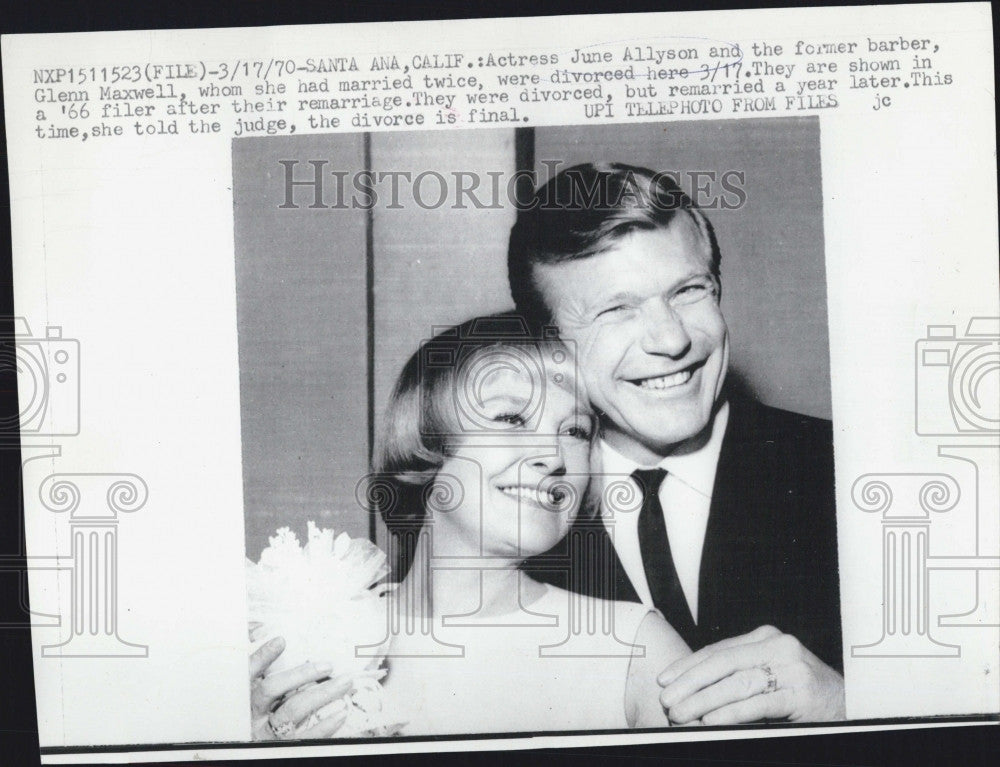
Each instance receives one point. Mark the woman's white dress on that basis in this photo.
(560, 664)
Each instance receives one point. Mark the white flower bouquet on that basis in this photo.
(327, 600)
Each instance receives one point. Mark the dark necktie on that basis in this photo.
(657, 561)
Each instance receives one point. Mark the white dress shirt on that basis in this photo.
(686, 497)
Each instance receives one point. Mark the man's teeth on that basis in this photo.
(533, 494)
(666, 382)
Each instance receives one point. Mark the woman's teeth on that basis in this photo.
(533, 494)
(666, 382)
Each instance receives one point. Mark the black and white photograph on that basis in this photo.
(561, 376)
(595, 386)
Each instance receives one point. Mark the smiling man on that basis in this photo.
(735, 542)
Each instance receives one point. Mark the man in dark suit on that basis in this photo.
(735, 540)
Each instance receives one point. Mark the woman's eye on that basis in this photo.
(514, 419)
(579, 432)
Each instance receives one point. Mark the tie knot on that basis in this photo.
(650, 479)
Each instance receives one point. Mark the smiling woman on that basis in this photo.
(485, 461)
(489, 416)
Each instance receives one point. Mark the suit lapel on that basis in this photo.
(723, 549)
(725, 582)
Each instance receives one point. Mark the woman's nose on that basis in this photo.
(663, 332)
(549, 463)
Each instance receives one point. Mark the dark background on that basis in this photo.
(18, 736)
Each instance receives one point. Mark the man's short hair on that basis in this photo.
(581, 212)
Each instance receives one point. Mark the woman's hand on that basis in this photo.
(277, 705)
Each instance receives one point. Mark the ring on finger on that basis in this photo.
(281, 730)
(772, 680)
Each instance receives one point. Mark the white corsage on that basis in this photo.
(327, 600)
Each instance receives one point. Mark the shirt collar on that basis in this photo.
(695, 469)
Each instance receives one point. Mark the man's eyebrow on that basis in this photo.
(622, 295)
(701, 273)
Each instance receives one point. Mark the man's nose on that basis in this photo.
(663, 331)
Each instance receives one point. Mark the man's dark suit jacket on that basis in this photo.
(770, 551)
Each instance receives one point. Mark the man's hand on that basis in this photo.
(727, 682)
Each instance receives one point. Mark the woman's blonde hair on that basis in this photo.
(424, 417)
